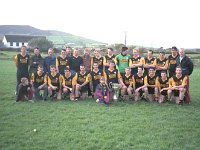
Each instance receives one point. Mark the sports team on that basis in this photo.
(72, 76)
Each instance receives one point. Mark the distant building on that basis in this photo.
(16, 41)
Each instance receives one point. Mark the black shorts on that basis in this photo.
(151, 90)
(176, 93)
(164, 93)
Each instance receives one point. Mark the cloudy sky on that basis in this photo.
(147, 22)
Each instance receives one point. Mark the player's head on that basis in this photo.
(161, 54)
(76, 52)
(52, 68)
(151, 71)
(124, 50)
(163, 74)
(62, 52)
(68, 50)
(110, 51)
(174, 51)
(23, 49)
(36, 51)
(95, 65)
(127, 70)
(24, 81)
(178, 70)
(67, 70)
(82, 68)
(150, 53)
(111, 64)
(135, 52)
(40, 68)
(140, 70)
(97, 52)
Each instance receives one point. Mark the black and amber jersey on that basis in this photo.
(38, 79)
(161, 63)
(139, 80)
(108, 59)
(81, 78)
(22, 63)
(112, 75)
(95, 76)
(150, 80)
(99, 61)
(160, 83)
(128, 80)
(68, 81)
(55, 79)
(62, 63)
(177, 81)
(172, 64)
(133, 60)
(148, 61)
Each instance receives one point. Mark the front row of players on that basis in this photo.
(99, 85)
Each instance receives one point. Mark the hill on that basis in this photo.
(57, 37)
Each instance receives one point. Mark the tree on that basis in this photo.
(41, 43)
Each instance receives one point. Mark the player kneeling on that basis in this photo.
(54, 83)
(177, 83)
(151, 88)
(81, 79)
(139, 84)
(24, 90)
(127, 86)
(68, 83)
(162, 84)
(39, 82)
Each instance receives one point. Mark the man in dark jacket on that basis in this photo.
(187, 69)
(49, 60)
(35, 60)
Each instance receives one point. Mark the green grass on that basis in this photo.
(88, 125)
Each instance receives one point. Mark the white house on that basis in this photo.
(16, 41)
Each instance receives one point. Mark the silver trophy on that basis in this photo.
(115, 87)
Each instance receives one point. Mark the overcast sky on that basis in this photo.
(147, 22)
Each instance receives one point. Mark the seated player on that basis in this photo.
(128, 80)
(54, 83)
(102, 92)
(95, 76)
(39, 82)
(81, 79)
(177, 84)
(24, 90)
(68, 83)
(112, 75)
(163, 86)
(150, 82)
(138, 84)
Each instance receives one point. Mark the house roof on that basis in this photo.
(21, 38)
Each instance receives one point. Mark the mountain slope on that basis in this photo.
(57, 37)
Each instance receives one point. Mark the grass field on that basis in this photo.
(88, 125)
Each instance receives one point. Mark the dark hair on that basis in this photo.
(179, 67)
(52, 66)
(110, 48)
(96, 63)
(37, 48)
(163, 72)
(152, 68)
(82, 65)
(67, 68)
(124, 48)
(140, 67)
(40, 66)
(62, 49)
(112, 61)
(150, 51)
(175, 48)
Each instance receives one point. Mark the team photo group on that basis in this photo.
(106, 78)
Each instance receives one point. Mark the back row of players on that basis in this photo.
(79, 76)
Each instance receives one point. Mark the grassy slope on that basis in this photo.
(87, 125)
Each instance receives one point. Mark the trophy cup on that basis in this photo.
(115, 87)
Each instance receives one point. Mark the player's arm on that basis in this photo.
(86, 81)
(120, 80)
(57, 64)
(104, 62)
